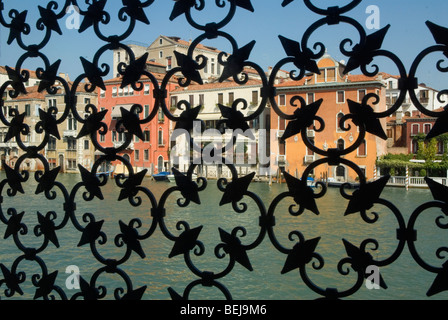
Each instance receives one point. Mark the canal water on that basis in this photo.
(405, 278)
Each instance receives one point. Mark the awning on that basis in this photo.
(116, 111)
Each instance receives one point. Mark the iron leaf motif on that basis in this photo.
(236, 250)
(48, 77)
(438, 191)
(14, 224)
(11, 280)
(235, 63)
(189, 189)
(134, 71)
(47, 180)
(91, 182)
(136, 294)
(131, 184)
(130, 237)
(304, 119)
(174, 295)
(14, 178)
(187, 118)
(364, 115)
(18, 26)
(50, 19)
(49, 123)
(93, 74)
(88, 292)
(92, 124)
(363, 53)
(185, 242)
(134, 9)
(45, 285)
(440, 283)
(236, 189)
(16, 126)
(131, 122)
(361, 260)
(91, 232)
(300, 255)
(439, 33)
(189, 67)
(16, 80)
(93, 15)
(440, 126)
(303, 195)
(235, 120)
(181, 7)
(367, 194)
(47, 227)
(302, 59)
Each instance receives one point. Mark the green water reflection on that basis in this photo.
(405, 278)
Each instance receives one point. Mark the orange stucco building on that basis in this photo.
(335, 88)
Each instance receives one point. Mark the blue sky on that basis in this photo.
(407, 36)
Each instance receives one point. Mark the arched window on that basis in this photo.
(338, 121)
(341, 144)
(340, 172)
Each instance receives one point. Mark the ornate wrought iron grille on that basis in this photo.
(300, 254)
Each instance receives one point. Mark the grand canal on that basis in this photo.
(405, 278)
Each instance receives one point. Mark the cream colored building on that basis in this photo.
(66, 152)
(161, 51)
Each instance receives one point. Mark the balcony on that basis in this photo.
(118, 144)
(70, 133)
(309, 159)
(280, 133)
(281, 159)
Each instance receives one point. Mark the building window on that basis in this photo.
(310, 97)
(427, 128)
(201, 99)
(71, 122)
(362, 149)
(414, 146)
(281, 123)
(102, 93)
(71, 144)
(330, 75)
(173, 102)
(282, 100)
(231, 98)
(114, 91)
(361, 94)
(52, 143)
(220, 98)
(146, 155)
(146, 136)
(191, 100)
(340, 98)
(255, 98)
(281, 147)
(161, 116)
(86, 144)
(341, 144)
(160, 54)
(146, 110)
(160, 137)
(137, 155)
(146, 92)
(338, 121)
(340, 172)
(415, 129)
(424, 96)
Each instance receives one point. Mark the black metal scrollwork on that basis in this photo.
(186, 239)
